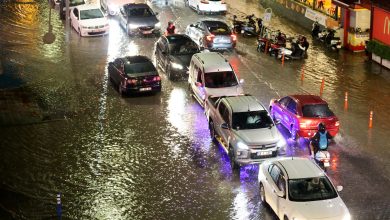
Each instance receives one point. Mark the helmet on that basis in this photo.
(321, 127)
(170, 22)
(234, 16)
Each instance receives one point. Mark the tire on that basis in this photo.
(233, 164)
(212, 129)
(262, 195)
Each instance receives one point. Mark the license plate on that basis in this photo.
(326, 164)
(146, 32)
(145, 89)
(264, 153)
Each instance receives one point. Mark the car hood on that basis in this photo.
(324, 209)
(226, 91)
(259, 136)
(182, 59)
(144, 21)
(94, 22)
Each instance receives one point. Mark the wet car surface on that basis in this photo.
(151, 157)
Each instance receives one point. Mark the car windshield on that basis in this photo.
(311, 189)
(182, 46)
(139, 68)
(218, 28)
(220, 79)
(139, 12)
(316, 111)
(91, 14)
(251, 120)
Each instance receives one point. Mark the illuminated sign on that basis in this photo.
(381, 25)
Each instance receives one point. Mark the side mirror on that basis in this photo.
(201, 48)
(224, 125)
(339, 188)
(277, 121)
(191, 25)
(156, 13)
(242, 81)
(280, 193)
(198, 84)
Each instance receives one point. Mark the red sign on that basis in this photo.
(381, 25)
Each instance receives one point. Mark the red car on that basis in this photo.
(301, 114)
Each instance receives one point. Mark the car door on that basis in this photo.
(117, 72)
(200, 32)
(280, 109)
(223, 117)
(74, 19)
(291, 113)
(165, 53)
(158, 52)
(123, 17)
(192, 31)
(271, 186)
(198, 84)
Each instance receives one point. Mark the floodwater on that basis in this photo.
(151, 157)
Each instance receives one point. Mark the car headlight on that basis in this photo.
(176, 66)
(133, 26)
(281, 143)
(158, 25)
(347, 216)
(242, 146)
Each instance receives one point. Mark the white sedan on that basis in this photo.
(296, 189)
(89, 20)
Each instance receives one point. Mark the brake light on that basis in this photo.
(156, 78)
(204, 1)
(132, 81)
(234, 37)
(337, 123)
(210, 37)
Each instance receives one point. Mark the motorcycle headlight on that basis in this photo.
(133, 26)
(176, 66)
(158, 25)
(242, 146)
(281, 143)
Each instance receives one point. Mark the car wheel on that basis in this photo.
(262, 194)
(212, 130)
(233, 163)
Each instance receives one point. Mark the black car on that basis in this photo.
(173, 54)
(139, 19)
(134, 74)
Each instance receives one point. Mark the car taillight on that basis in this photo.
(204, 1)
(337, 123)
(210, 37)
(156, 78)
(132, 81)
(234, 37)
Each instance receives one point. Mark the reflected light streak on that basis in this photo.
(240, 206)
(176, 108)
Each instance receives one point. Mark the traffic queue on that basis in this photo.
(247, 130)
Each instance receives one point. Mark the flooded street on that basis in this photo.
(65, 129)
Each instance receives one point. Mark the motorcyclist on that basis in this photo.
(170, 29)
(281, 39)
(260, 25)
(329, 36)
(316, 29)
(320, 140)
(304, 43)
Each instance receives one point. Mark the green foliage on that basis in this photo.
(379, 49)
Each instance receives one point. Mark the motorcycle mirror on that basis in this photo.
(339, 188)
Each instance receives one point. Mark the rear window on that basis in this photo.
(316, 111)
(182, 46)
(218, 28)
(139, 68)
(220, 79)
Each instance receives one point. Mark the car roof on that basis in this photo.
(136, 5)
(308, 99)
(172, 37)
(244, 103)
(213, 62)
(299, 167)
(136, 59)
(87, 7)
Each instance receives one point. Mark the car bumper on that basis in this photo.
(308, 133)
(212, 8)
(254, 157)
(95, 32)
(143, 89)
(139, 31)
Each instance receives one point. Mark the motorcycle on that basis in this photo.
(326, 36)
(322, 158)
(295, 52)
(245, 28)
(271, 38)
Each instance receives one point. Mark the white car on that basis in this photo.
(208, 6)
(297, 188)
(89, 20)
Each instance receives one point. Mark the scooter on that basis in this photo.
(326, 36)
(247, 29)
(322, 158)
(296, 52)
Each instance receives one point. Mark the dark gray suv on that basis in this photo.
(139, 19)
